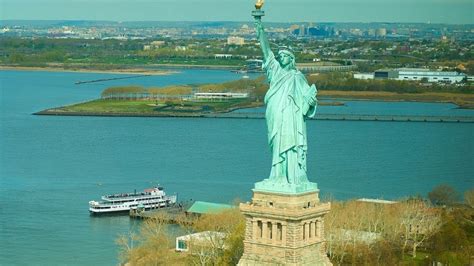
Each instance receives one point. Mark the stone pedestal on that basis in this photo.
(284, 229)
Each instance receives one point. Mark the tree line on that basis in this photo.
(346, 82)
(412, 231)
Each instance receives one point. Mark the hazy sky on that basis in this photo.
(435, 11)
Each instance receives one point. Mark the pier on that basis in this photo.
(260, 115)
(109, 79)
(355, 117)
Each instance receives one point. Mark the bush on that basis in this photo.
(469, 197)
(443, 195)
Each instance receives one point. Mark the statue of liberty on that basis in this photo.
(289, 102)
(284, 222)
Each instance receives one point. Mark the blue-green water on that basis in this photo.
(50, 167)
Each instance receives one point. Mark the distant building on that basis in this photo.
(315, 67)
(356, 32)
(157, 43)
(294, 27)
(378, 201)
(220, 96)
(417, 74)
(382, 32)
(302, 31)
(254, 64)
(430, 76)
(364, 75)
(371, 32)
(355, 235)
(180, 48)
(245, 29)
(234, 40)
(320, 31)
(198, 240)
(386, 74)
(153, 45)
(222, 56)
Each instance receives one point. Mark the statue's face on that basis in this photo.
(284, 59)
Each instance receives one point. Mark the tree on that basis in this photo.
(152, 246)
(223, 245)
(355, 233)
(469, 197)
(122, 91)
(419, 223)
(232, 224)
(16, 58)
(450, 245)
(443, 195)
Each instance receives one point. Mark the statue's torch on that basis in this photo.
(258, 13)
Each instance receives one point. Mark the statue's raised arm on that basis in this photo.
(262, 38)
(261, 35)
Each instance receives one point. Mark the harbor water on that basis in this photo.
(51, 166)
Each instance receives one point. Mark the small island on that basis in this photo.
(219, 100)
(170, 101)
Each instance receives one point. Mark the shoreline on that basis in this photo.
(131, 71)
(324, 117)
(337, 98)
(167, 69)
(462, 101)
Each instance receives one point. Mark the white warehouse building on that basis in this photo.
(418, 74)
(430, 76)
(364, 75)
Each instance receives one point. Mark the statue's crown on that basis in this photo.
(287, 49)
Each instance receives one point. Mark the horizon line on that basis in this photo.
(237, 21)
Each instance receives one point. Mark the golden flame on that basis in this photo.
(259, 4)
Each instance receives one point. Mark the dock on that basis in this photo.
(183, 213)
(174, 214)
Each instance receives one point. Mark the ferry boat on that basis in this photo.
(152, 198)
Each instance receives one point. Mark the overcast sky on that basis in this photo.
(435, 11)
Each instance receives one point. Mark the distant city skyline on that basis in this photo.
(434, 11)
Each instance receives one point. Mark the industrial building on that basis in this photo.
(364, 75)
(430, 76)
(417, 74)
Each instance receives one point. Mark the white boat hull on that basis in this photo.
(110, 207)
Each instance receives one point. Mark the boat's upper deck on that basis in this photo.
(147, 193)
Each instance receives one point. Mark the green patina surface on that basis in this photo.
(289, 101)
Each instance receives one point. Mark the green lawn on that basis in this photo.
(153, 107)
(111, 106)
(420, 258)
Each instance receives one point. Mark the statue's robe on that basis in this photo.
(287, 107)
